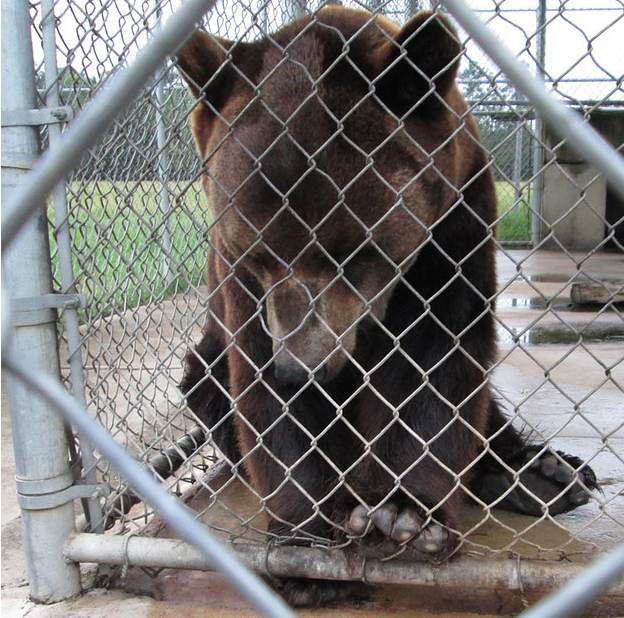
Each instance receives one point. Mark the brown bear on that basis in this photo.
(350, 334)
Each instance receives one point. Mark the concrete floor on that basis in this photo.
(544, 374)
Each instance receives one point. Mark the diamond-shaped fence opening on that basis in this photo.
(142, 227)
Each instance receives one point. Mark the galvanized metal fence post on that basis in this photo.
(64, 243)
(517, 163)
(43, 473)
(163, 163)
(537, 233)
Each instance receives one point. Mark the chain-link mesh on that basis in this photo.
(141, 228)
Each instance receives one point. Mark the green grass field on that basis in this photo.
(514, 224)
(117, 232)
(119, 253)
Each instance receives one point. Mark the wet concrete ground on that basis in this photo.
(572, 393)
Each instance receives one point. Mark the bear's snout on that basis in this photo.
(310, 330)
(288, 370)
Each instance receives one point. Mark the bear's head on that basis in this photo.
(330, 152)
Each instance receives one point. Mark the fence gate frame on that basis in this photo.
(44, 479)
(47, 466)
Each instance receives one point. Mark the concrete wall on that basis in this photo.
(574, 205)
(574, 195)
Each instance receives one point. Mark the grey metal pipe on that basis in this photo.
(164, 202)
(565, 122)
(177, 516)
(582, 589)
(290, 561)
(39, 435)
(64, 243)
(517, 165)
(538, 150)
(90, 125)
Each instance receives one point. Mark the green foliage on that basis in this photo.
(129, 150)
(500, 112)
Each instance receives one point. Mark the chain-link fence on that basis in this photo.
(131, 229)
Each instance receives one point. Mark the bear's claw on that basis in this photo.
(404, 530)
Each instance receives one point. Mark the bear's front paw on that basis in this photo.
(558, 479)
(546, 480)
(403, 531)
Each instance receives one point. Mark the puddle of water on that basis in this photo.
(545, 336)
(549, 278)
(562, 278)
(559, 303)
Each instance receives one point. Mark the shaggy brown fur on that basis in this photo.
(351, 274)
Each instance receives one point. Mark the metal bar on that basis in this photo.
(538, 130)
(90, 125)
(311, 562)
(41, 501)
(29, 311)
(163, 163)
(177, 516)
(565, 122)
(517, 164)
(582, 589)
(48, 301)
(522, 107)
(92, 507)
(36, 117)
(39, 434)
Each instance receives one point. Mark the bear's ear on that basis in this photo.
(200, 62)
(419, 66)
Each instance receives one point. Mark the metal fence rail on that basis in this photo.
(217, 556)
(129, 236)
